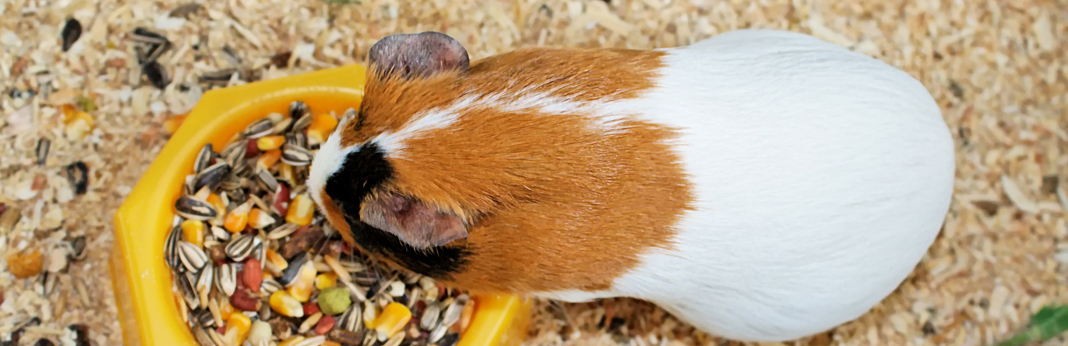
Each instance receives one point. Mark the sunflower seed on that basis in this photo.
(294, 267)
(267, 178)
(78, 174)
(205, 318)
(235, 152)
(219, 233)
(211, 177)
(296, 156)
(194, 209)
(156, 74)
(226, 278)
(303, 121)
(47, 281)
(351, 319)
(453, 312)
(203, 158)
(430, 316)
(77, 248)
(260, 128)
(43, 145)
(449, 339)
(231, 182)
(171, 247)
(192, 256)
(282, 231)
(185, 287)
(281, 126)
(438, 333)
(269, 285)
(297, 109)
(71, 32)
(143, 35)
(239, 248)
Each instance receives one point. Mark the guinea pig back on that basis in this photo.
(761, 185)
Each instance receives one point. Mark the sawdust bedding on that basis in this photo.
(996, 68)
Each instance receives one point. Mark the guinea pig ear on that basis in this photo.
(413, 221)
(418, 55)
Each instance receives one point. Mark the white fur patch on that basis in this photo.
(327, 160)
(603, 116)
(821, 177)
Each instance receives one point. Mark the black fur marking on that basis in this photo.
(363, 171)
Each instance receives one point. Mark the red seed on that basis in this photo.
(326, 323)
(252, 274)
(251, 149)
(221, 330)
(244, 301)
(310, 308)
(281, 199)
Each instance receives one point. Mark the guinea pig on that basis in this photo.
(761, 185)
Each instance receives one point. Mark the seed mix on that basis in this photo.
(255, 264)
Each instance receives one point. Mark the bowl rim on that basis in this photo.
(148, 313)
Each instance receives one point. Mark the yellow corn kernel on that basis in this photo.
(220, 208)
(193, 232)
(269, 158)
(258, 219)
(300, 210)
(283, 303)
(170, 126)
(225, 309)
(330, 343)
(302, 286)
(78, 124)
(293, 340)
(321, 126)
(287, 172)
(241, 324)
(270, 142)
(277, 259)
(393, 319)
(237, 219)
(325, 280)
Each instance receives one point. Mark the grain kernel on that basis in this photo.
(270, 142)
(269, 158)
(258, 219)
(241, 324)
(321, 127)
(284, 303)
(304, 283)
(293, 340)
(193, 232)
(300, 210)
(25, 264)
(237, 219)
(325, 280)
(393, 319)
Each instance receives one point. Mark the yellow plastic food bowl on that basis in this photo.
(147, 308)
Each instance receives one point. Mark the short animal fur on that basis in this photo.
(761, 185)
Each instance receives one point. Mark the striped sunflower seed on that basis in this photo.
(193, 258)
(241, 247)
(192, 208)
(226, 278)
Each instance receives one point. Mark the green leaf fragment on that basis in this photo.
(1047, 323)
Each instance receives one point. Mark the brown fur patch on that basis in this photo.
(555, 204)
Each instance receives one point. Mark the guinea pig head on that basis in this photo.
(354, 177)
(497, 175)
